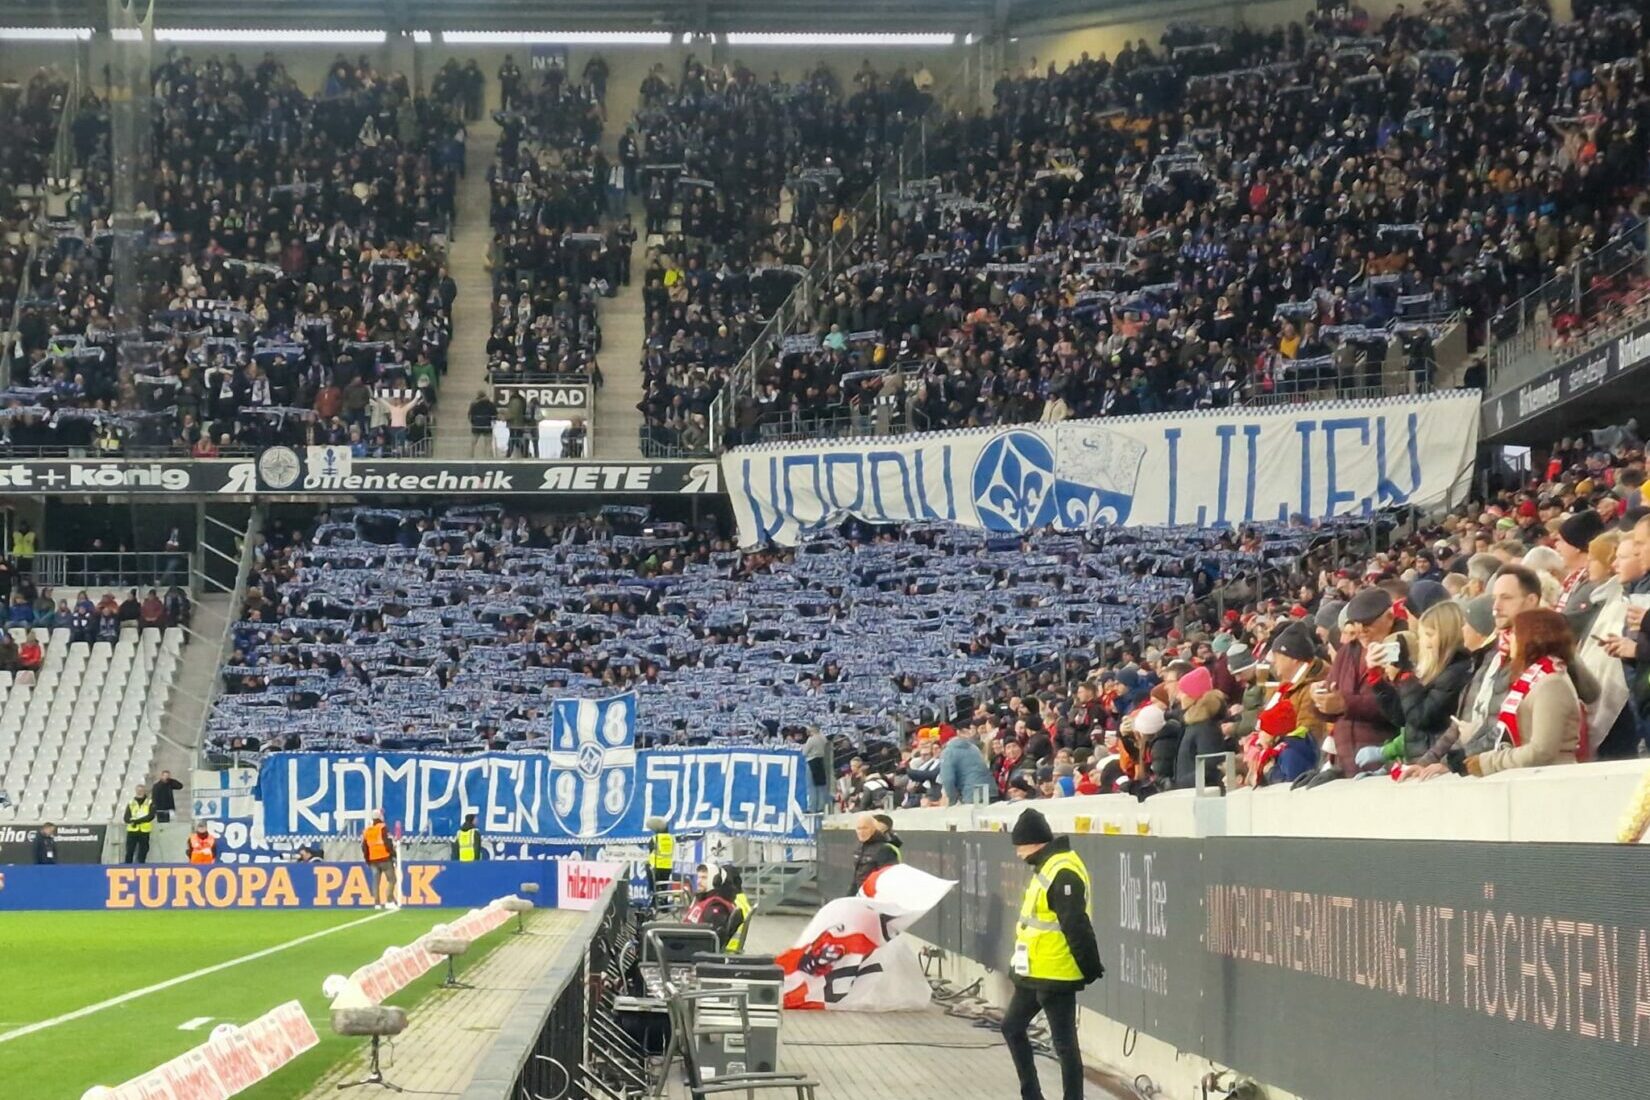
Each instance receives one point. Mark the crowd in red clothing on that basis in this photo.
(1506, 634)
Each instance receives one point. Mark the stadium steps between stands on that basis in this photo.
(179, 751)
(84, 729)
(467, 261)
(617, 420)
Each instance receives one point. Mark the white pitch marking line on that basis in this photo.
(191, 1025)
(80, 1013)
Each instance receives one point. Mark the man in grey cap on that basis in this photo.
(1246, 672)
(1327, 624)
(1348, 695)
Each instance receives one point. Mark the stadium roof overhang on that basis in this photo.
(404, 16)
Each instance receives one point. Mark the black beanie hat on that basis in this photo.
(1032, 828)
(1296, 642)
(1580, 529)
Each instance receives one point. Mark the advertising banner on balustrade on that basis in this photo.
(1343, 969)
(268, 886)
(75, 843)
(1212, 468)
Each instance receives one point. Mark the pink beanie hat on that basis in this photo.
(1196, 683)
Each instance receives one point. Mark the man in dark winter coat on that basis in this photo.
(1348, 694)
(1055, 954)
(875, 850)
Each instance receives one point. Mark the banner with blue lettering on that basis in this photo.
(1209, 468)
(535, 796)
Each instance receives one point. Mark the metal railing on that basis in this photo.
(539, 378)
(544, 1048)
(129, 453)
(1249, 586)
(910, 161)
(114, 569)
(1525, 337)
(654, 443)
(240, 549)
(60, 164)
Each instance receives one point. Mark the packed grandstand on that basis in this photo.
(1098, 408)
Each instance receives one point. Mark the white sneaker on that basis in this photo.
(380, 905)
(394, 905)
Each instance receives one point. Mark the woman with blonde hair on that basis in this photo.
(1421, 688)
(1601, 558)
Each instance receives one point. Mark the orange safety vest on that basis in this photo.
(200, 848)
(377, 849)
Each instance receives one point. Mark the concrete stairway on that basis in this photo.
(617, 421)
(467, 259)
(178, 750)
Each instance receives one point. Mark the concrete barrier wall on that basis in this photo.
(1438, 847)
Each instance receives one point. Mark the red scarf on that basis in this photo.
(1507, 721)
(1571, 583)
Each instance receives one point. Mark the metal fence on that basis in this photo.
(544, 1049)
(909, 161)
(1597, 290)
(116, 569)
(1268, 581)
(60, 165)
(129, 452)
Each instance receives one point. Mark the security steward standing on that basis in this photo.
(878, 848)
(467, 844)
(662, 859)
(378, 849)
(1055, 954)
(140, 822)
(203, 846)
(736, 942)
(45, 845)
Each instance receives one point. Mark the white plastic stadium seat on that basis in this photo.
(73, 744)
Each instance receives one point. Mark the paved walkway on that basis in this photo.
(450, 1030)
(923, 1055)
(467, 260)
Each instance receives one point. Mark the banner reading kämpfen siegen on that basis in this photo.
(1348, 969)
(535, 796)
(1230, 466)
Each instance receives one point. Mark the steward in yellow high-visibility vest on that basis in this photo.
(736, 942)
(1055, 953)
(661, 860)
(140, 822)
(467, 844)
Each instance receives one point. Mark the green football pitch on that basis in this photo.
(61, 968)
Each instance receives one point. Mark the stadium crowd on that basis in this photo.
(553, 259)
(1233, 214)
(452, 630)
(1507, 634)
(743, 181)
(286, 284)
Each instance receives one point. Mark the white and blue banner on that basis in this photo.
(1216, 468)
(531, 796)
